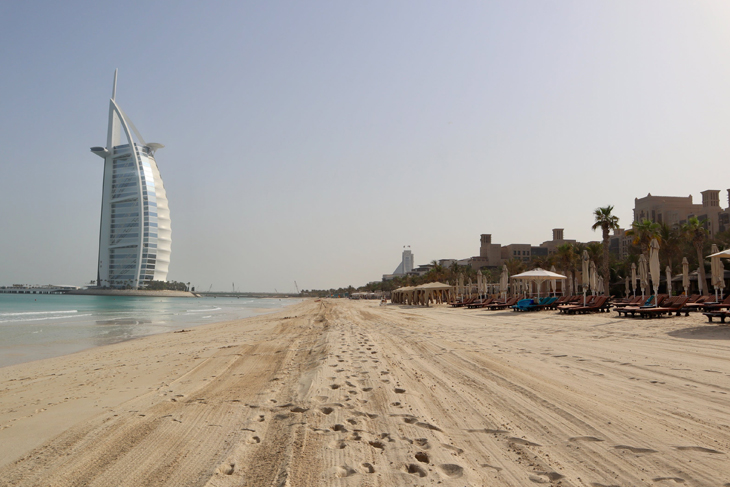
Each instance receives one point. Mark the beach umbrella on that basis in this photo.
(593, 278)
(538, 276)
(668, 271)
(685, 276)
(585, 271)
(700, 284)
(725, 253)
(554, 282)
(627, 287)
(504, 281)
(718, 271)
(643, 274)
(633, 277)
(461, 284)
(654, 267)
(480, 285)
(470, 287)
(601, 285)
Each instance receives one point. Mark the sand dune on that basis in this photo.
(349, 393)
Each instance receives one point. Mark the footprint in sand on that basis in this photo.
(423, 443)
(422, 457)
(399, 390)
(451, 470)
(584, 438)
(428, 426)
(699, 449)
(253, 440)
(334, 386)
(675, 479)
(326, 410)
(339, 427)
(377, 444)
(546, 477)
(634, 449)
(453, 448)
(414, 469)
(336, 445)
(227, 468)
(367, 468)
(522, 441)
(344, 471)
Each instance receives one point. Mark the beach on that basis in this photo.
(345, 393)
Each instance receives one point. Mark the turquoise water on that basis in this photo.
(37, 326)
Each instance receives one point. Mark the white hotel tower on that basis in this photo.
(134, 239)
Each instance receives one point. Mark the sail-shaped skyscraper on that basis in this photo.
(135, 237)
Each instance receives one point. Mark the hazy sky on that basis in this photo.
(310, 141)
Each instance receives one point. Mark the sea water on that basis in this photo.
(35, 326)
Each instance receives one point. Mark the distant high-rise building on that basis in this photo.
(135, 237)
(406, 263)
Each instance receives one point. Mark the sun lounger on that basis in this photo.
(634, 301)
(458, 304)
(717, 314)
(577, 303)
(523, 305)
(675, 306)
(480, 304)
(497, 306)
(725, 303)
(599, 304)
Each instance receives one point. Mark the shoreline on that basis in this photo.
(332, 392)
(132, 292)
(30, 351)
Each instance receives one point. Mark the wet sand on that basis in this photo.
(349, 393)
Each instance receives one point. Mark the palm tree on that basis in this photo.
(643, 232)
(695, 233)
(671, 242)
(606, 222)
(567, 259)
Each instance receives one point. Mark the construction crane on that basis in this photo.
(295, 285)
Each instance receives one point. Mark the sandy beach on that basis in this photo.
(339, 392)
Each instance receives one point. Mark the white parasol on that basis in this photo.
(668, 271)
(593, 280)
(553, 282)
(718, 272)
(685, 276)
(504, 281)
(585, 271)
(643, 274)
(633, 277)
(654, 267)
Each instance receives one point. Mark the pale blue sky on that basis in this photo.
(310, 141)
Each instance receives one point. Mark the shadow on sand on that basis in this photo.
(710, 332)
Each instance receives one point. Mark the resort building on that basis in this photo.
(134, 237)
(676, 210)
